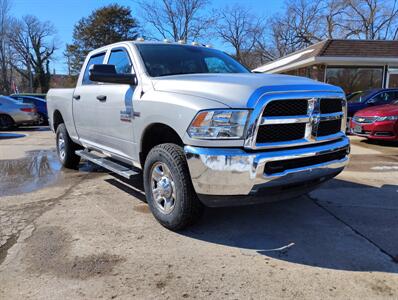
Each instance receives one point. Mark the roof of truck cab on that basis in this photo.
(144, 42)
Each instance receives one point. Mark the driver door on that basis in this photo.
(116, 108)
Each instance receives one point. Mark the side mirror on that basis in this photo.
(372, 101)
(108, 74)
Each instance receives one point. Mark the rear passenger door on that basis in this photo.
(87, 121)
(116, 109)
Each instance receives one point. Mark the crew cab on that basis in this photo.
(203, 129)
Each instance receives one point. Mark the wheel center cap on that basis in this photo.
(165, 187)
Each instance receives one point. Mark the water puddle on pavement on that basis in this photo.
(36, 170)
(7, 136)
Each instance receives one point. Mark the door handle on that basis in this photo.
(76, 97)
(101, 98)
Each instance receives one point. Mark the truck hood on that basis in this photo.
(379, 111)
(237, 90)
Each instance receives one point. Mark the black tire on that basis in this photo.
(6, 122)
(66, 148)
(187, 207)
(43, 120)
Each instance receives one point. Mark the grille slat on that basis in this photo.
(280, 132)
(295, 107)
(329, 127)
(328, 106)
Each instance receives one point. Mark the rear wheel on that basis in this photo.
(6, 122)
(66, 148)
(168, 187)
(42, 120)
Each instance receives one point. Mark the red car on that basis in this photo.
(378, 122)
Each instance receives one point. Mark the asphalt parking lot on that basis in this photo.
(87, 234)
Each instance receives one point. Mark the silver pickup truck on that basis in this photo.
(203, 129)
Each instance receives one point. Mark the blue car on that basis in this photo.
(361, 100)
(41, 106)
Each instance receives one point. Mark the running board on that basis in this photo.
(108, 164)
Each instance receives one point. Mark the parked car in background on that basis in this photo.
(41, 106)
(358, 101)
(379, 122)
(36, 95)
(14, 113)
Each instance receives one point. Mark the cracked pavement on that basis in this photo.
(86, 234)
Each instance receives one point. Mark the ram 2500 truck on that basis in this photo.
(203, 129)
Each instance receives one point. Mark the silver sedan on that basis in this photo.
(14, 113)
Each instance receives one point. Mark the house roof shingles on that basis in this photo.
(338, 48)
(363, 48)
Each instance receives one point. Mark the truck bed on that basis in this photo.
(61, 100)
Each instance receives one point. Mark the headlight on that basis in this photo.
(218, 124)
(388, 118)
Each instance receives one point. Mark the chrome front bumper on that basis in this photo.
(227, 171)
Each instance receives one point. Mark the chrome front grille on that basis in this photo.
(293, 122)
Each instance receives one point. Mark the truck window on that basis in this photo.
(166, 59)
(94, 60)
(121, 60)
(216, 65)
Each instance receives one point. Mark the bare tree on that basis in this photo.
(5, 51)
(33, 41)
(299, 27)
(334, 11)
(240, 29)
(22, 49)
(177, 19)
(372, 19)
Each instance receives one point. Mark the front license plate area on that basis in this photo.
(358, 129)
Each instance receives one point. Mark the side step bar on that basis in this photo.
(108, 164)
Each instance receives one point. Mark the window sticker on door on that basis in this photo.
(125, 115)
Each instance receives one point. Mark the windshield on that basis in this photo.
(359, 97)
(166, 59)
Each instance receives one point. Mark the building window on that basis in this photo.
(353, 79)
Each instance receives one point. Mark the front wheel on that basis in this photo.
(66, 148)
(168, 187)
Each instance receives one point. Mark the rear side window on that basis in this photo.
(94, 60)
(121, 60)
(385, 97)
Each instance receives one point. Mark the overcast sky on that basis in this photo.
(65, 13)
